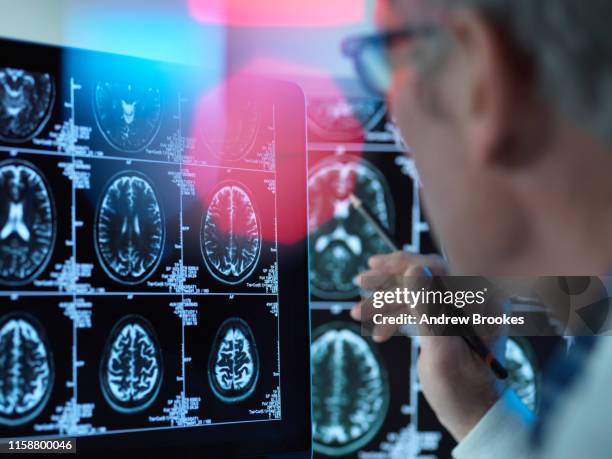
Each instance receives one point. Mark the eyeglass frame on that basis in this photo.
(352, 47)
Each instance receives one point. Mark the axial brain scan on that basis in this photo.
(233, 365)
(25, 103)
(231, 125)
(341, 119)
(132, 368)
(341, 241)
(128, 115)
(27, 222)
(26, 370)
(230, 236)
(130, 228)
(522, 371)
(350, 390)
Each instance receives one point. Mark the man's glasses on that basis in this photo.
(370, 56)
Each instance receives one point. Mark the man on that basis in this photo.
(506, 105)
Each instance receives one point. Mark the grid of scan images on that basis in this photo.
(138, 259)
(367, 401)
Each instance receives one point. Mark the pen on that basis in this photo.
(474, 342)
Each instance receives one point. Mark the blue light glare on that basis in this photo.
(162, 33)
(168, 34)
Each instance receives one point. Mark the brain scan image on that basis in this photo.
(522, 370)
(26, 99)
(231, 125)
(230, 236)
(129, 228)
(27, 222)
(341, 119)
(233, 365)
(132, 368)
(26, 369)
(350, 389)
(341, 240)
(128, 115)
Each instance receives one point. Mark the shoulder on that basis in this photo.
(581, 425)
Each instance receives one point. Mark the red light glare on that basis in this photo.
(276, 13)
(224, 126)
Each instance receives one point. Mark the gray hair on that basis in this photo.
(570, 45)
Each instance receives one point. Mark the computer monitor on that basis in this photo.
(367, 400)
(153, 257)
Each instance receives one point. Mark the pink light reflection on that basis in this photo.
(221, 127)
(279, 13)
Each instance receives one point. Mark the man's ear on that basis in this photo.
(494, 83)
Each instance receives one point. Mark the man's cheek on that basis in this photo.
(425, 136)
(401, 85)
(407, 117)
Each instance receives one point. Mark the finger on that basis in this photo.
(382, 333)
(363, 311)
(356, 312)
(396, 262)
(426, 265)
(385, 330)
(374, 280)
(437, 265)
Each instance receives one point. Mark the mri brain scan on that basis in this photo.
(132, 368)
(27, 222)
(350, 389)
(522, 371)
(230, 236)
(341, 241)
(233, 365)
(230, 124)
(339, 119)
(26, 99)
(26, 369)
(128, 115)
(129, 228)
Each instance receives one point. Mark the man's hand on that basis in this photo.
(457, 384)
(388, 272)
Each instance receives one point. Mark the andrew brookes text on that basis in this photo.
(443, 320)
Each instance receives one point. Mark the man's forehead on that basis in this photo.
(396, 13)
